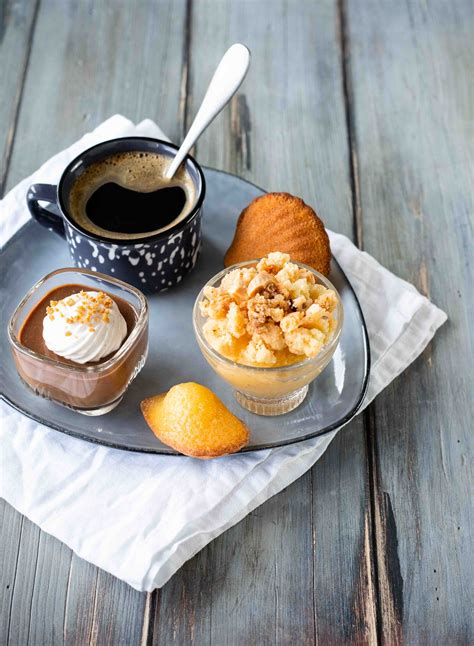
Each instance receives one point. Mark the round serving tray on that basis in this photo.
(174, 357)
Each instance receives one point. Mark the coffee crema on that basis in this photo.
(126, 196)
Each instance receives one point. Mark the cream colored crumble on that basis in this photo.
(274, 314)
(91, 309)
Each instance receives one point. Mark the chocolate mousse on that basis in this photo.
(31, 332)
(74, 347)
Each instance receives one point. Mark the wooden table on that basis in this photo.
(365, 109)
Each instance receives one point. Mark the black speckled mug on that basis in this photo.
(154, 263)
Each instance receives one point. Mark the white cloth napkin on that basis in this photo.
(140, 516)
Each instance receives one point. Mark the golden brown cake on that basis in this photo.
(280, 222)
(193, 420)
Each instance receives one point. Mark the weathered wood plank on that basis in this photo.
(22, 587)
(59, 598)
(16, 25)
(298, 569)
(79, 606)
(11, 524)
(413, 100)
(344, 585)
(107, 613)
(88, 61)
(91, 60)
(48, 585)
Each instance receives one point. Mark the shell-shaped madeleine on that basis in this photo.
(280, 222)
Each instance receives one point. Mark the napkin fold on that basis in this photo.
(139, 516)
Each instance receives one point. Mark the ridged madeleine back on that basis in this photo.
(280, 222)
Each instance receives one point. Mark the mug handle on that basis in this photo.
(46, 217)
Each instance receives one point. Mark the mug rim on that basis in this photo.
(121, 242)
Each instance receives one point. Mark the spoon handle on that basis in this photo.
(226, 81)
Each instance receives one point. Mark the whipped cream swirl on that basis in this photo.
(84, 327)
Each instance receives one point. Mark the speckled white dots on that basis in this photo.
(95, 249)
(173, 254)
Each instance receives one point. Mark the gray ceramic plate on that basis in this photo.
(174, 357)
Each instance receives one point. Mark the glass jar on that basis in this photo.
(91, 389)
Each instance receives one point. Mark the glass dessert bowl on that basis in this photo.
(87, 387)
(270, 389)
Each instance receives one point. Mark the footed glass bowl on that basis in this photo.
(272, 390)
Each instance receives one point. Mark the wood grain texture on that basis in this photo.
(88, 60)
(413, 102)
(382, 136)
(22, 587)
(11, 525)
(270, 579)
(285, 130)
(344, 585)
(17, 20)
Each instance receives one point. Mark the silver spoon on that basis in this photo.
(226, 81)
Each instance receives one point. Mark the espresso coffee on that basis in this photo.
(126, 196)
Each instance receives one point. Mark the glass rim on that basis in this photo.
(100, 367)
(299, 364)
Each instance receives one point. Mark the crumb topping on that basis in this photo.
(273, 314)
(89, 309)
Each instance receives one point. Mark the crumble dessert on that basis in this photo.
(271, 315)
